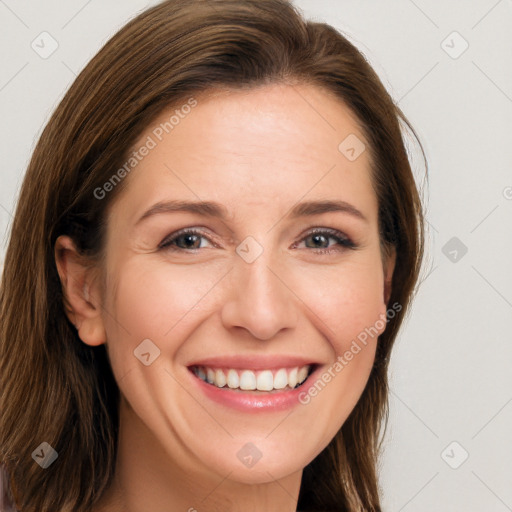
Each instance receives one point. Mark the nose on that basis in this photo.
(261, 301)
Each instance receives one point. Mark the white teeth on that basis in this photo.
(292, 378)
(233, 380)
(302, 375)
(248, 380)
(220, 379)
(264, 380)
(281, 379)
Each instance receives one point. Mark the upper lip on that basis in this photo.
(253, 362)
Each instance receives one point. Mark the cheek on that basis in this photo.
(347, 302)
(347, 299)
(154, 301)
(160, 301)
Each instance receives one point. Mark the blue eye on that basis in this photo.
(319, 236)
(190, 240)
(188, 236)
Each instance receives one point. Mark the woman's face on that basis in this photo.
(269, 285)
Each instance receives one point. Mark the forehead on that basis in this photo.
(269, 146)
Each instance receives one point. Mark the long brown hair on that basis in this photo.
(57, 389)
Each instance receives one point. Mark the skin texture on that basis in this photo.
(258, 153)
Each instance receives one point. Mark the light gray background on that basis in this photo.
(451, 377)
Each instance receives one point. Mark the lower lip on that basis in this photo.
(254, 401)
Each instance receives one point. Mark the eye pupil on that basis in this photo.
(319, 238)
(190, 238)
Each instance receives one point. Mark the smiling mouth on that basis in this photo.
(244, 380)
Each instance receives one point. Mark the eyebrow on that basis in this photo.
(212, 209)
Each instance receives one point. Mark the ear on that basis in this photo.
(82, 297)
(389, 267)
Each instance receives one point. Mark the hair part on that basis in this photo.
(59, 390)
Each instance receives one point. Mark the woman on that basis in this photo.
(215, 244)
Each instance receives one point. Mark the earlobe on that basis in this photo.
(82, 298)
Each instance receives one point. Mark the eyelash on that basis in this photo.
(342, 240)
